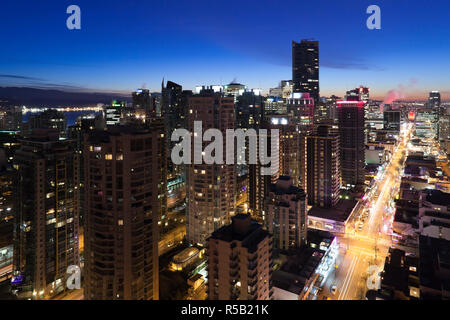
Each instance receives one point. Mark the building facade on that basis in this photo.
(240, 261)
(305, 67)
(351, 130)
(124, 194)
(287, 214)
(323, 168)
(47, 222)
(211, 188)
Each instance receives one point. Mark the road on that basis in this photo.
(363, 250)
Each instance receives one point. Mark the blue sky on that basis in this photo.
(123, 45)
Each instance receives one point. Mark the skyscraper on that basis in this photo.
(49, 119)
(301, 111)
(113, 113)
(363, 93)
(392, 120)
(8, 206)
(124, 188)
(143, 104)
(305, 67)
(434, 99)
(323, 168)
(287, 214)
(47, 222)
(351, 130)
(173, 108)
(434, 102)
(259, 184)
(240, 261)
(289, 141)
(211, 188)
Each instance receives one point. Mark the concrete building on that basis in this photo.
(334, 219)
(48, 119)
(47, 224)
(240, 261)
(305, 67)
(125, 195)
(351, 129)
(286, 214)
(211, 188)
(323, 168)
(8, 213)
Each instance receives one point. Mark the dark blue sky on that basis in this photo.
(125, 44)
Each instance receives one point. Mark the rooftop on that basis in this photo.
(340, 212)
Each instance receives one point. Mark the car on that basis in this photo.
(333, 289)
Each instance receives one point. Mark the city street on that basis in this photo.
(364, 249)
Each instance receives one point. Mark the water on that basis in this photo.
(71, 116)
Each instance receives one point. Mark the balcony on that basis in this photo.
(234, 273)
(251, 273)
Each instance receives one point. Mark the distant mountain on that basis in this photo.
(53, 98)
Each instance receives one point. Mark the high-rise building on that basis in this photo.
(287, 214)
(47, 222)
(83, 125)
(444, 132)
(434, 99)
(284, 90)
(48, 119)
(351, 130)
(234, 89)
(391, 120)
(305, 67)
(275, 105)
(363, 93)
(125, 189)
(8, 205)
(114, 113)
(143, 104)
(323, 168)
(434, 102)
(427, 120)
(173, 113)
(301, 111)
(11, 118)
(211, 188)
(142, 99)
(259, 184)
(300, 107)
(249, 115)
(289, 141)
(240, 261)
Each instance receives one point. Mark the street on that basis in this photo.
(366, 242)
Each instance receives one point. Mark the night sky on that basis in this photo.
(123, 45)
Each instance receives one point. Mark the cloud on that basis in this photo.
(20, 77)
(38, 83)
(349, 66)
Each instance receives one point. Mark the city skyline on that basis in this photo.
(119, 49)
(224, 151)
